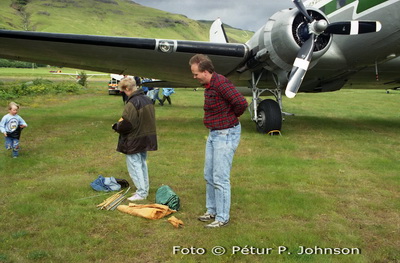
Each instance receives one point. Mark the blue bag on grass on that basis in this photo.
(105, 184)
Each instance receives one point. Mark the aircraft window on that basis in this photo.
(340, 3)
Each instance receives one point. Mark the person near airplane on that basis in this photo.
(137, 135)
(223, 105)
(167, 92)
(156, 97)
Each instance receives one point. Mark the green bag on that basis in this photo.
(166, 196)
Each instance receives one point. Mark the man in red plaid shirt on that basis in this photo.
(223, 105)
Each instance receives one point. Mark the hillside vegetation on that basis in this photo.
(105, 17)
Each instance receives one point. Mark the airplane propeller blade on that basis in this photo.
(353, 27)
(300, 67)
(299, 4)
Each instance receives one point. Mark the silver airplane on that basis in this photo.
(330, 40)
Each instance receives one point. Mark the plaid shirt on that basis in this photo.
(223, 104)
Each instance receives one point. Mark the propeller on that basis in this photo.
(300, 67)
(299, 4)
(316, 28)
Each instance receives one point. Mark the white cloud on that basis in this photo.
(249, 15)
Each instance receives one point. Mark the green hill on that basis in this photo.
(105, 17)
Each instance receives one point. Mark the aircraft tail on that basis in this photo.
(217, 32)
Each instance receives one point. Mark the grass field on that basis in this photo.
(331, 181)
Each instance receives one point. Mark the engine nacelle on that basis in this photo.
(275, 46)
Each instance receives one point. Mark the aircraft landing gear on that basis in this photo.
(269, 117)
(267, 114)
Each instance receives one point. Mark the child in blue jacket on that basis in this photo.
(11, 126)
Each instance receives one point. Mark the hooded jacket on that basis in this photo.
(137, 127)
(11, 125)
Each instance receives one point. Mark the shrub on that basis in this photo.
(6, 95)
(67, 87)
(37, 87)
(82, 79)
(8, 63)
(108, 2)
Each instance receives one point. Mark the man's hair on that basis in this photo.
(127, 84)
(204, 63)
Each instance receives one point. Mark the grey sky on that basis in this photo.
(248, 15)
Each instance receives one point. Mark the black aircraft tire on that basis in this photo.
(270, 116)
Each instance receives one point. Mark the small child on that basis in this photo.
(11, 126)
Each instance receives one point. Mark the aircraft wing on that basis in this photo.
(155, 58)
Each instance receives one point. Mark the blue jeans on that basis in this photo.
(12, 143)
(220, 149)
(137, 168)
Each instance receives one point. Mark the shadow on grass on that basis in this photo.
(342, 124)
(301, 124)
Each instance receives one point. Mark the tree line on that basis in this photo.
(8, 63)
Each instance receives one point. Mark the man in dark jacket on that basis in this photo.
(137, 129)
